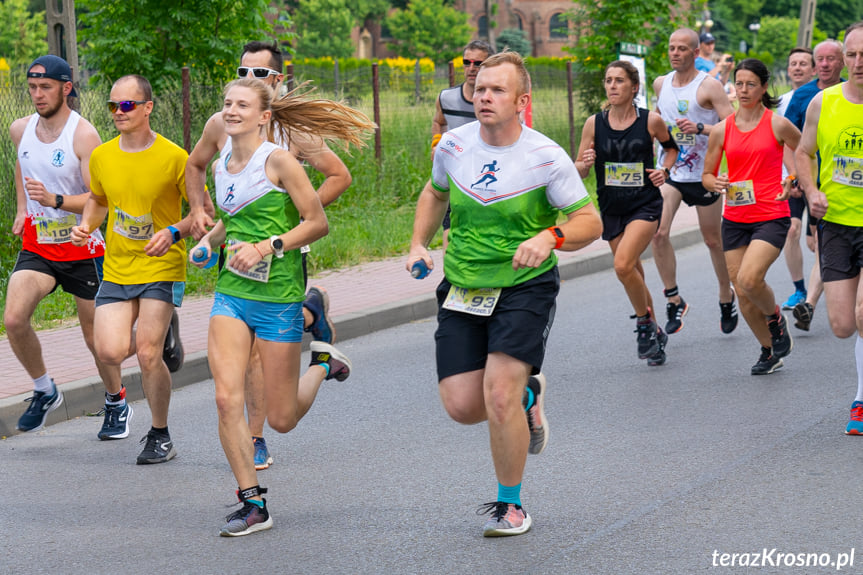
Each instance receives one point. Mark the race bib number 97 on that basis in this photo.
(133, 227)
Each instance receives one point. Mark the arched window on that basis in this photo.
(516, 19)
(558, 27)
(482, 26)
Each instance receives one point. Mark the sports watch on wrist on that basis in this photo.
(58, 201)
(278, 246)
(700, 127)
(559, 238)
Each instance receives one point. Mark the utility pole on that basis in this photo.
(62, 34)
(807, 23)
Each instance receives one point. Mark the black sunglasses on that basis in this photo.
(467, 62)
(125, 106)
(260, 73)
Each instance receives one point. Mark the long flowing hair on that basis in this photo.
(323, 119)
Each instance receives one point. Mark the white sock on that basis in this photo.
(858, 355)
(44, 384)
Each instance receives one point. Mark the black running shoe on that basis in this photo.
(659, 357)
(646, 338)
(780, 337)
(158, 449)
(675, 312)
(767, 363)
(340, 365)
(728, 318)
(173, 353)
(803, 313)
(116, 422)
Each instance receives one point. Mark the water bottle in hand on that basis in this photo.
(202, 253)
(420, 270)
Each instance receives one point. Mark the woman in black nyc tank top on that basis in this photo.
(618, 144)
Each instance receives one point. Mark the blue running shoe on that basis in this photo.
(322, 328)
(263, 459)
(794, 299)
(116, 422)
(855, 425)
(41, 404)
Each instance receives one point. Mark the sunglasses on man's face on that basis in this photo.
(125, 106)
(259, 73)
(475, 63)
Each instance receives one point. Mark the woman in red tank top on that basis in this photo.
(756, 216)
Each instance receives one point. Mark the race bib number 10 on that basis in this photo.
(476, 301)
(625, 175)
(54, 231)
(133, 227)
(848, 171)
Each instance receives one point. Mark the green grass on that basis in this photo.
(372, 220)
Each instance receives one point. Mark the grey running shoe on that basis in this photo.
(506, 519)
(248, 519)
(41, 404)
(675, 312)
(780, 338)
(158, 449)
(340, 365)
(803, 313)
(116, 422)
(536, 421)
(648, 345)
(767, 363)
(660, 357)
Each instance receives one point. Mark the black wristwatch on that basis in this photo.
(700, 127)
(667, 172)
(58, 201)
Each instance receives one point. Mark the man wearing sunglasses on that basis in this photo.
(137, 181)
(264, 61)
(51, 183)
(454, 106)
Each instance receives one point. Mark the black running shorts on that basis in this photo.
(841, 251)
(737, 235)
(518, 327)
(80, 278)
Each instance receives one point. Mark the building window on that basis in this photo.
(558, 27)
(482, 26)
(518, 21)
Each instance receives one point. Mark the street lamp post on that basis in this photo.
(755, 27)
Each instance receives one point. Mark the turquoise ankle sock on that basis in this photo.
(509, 494)
(529, 398)
(256, 502)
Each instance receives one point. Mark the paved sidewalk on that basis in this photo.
(363, 299)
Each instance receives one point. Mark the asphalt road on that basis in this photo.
(648, 470)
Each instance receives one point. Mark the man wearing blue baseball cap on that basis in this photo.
(52, 182)
(704, 61)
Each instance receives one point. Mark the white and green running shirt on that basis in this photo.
(500, 197)
(254, 209)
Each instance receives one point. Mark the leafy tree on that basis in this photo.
(514, 39)
(831, 16)
(323, 28)
(599, 29)
(429, 29)
(156, 39)
(22, 37)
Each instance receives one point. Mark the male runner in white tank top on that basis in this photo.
(691, 103)
(52, 183)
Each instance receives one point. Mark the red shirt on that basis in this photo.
(756, 157)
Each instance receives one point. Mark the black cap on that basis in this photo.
(707, 38)
(56, 68)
